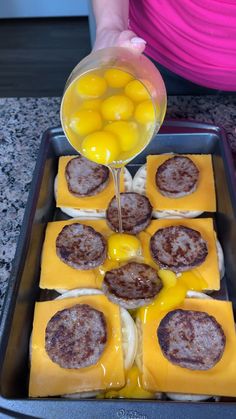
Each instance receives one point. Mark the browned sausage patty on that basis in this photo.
(85, 178)
(76, 337)
(177, 176)
(178, 248)
(81, 247)
(191, 339)
(136, 212)
(132, 285)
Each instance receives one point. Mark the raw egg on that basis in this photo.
(144, 112)
(101, 147)
(117, 107)
(132, 389)
(136, 91)
(127, 132)
(85, 121)
(117, 78)
(122, 247)
(193, 280)
(91, 85)
(168, 278)
(93, 104)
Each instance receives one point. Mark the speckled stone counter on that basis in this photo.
(22, 123)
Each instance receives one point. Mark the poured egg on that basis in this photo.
(117, 107)
(85, 121)
(144, 112)
(123, 247)
(193, 280)
(127, 132)
(132, 388)
(93, 104)
(101, 147)
(136, 91)
(168, 278)
(117, 78)
(166, 300)
(91, 86)
(169, 298)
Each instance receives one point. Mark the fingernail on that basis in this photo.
(137, 40)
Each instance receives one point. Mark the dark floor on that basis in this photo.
(37, 55)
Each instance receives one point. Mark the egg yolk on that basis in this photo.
(85, 121)
(145, 239)
(101, 147)
(144, 112)
(171, 297)
(127, 132)
(91, 86)
(136, 91)
(173, 292)
(123, 247)
(93, 104)
(132, 389)
(117, 78)
(117, 107)
(168, 278)
(193, 280)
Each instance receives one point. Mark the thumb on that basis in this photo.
(129, 39)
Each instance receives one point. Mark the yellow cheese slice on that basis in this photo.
(48, 379)
(209, 268)
(203, 199)
(159, 374)
(66, 199)
(56, 274)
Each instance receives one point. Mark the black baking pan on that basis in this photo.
(23, 290)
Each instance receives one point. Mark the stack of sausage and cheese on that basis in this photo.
(134, 317)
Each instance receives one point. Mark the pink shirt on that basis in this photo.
(195, 39)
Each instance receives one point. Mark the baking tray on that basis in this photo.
(23, 290)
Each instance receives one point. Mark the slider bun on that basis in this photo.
(139, 186)
(220, 256)
(129, 335)
(92, 213)
(190, 397)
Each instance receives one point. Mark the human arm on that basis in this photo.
(112, 26)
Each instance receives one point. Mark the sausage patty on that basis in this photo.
(76, 337)
(132, 285)
(85, 178)
(177, 177)
(191, 339)
(178, 248)
(136, 212)
(81, 247)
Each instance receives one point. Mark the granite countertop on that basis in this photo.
(22, 123)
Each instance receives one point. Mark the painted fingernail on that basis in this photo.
(137, 40)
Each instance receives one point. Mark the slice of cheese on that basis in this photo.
(203, 199)
(48, 379)
(66, 199)
(158, 374)
(209, 269)
(56, 274)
